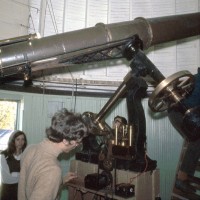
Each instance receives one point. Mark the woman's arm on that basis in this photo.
(6, 176)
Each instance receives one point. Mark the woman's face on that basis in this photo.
(19, 142)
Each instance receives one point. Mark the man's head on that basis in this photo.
(119, 121)
(66, 127)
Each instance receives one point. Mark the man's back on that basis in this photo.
(40, 175)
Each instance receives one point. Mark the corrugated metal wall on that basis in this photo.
(163, 142)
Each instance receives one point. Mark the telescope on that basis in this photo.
(102, 42)
(29, 54)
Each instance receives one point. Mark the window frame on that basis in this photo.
(19, 112)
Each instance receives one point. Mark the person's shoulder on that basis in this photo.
(4, 154)
(30, 150)
(31, 147)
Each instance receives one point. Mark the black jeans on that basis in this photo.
(9, 191)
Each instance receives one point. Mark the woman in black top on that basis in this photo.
(10, 165)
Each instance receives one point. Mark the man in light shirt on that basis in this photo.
(41, 175)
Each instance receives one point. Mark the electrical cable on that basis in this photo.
(146, 165)
(54, 16)
(51, 11)
(30, 17)
(17, 2)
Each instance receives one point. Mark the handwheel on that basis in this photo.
(171, 90)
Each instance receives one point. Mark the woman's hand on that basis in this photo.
(69, 177)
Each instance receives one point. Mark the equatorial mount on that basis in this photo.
(168, 90)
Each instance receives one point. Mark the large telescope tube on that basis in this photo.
(151, 31)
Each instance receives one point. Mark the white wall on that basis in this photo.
(13, 18)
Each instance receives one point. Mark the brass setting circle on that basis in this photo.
(171, 90)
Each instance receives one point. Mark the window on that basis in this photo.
(8, 120)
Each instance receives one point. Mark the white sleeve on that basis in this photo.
(6, 176)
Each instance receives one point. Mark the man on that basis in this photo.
(120, 123)
(40, 176)
(142, 161)
(192, 154)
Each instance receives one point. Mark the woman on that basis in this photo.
(10, 165)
